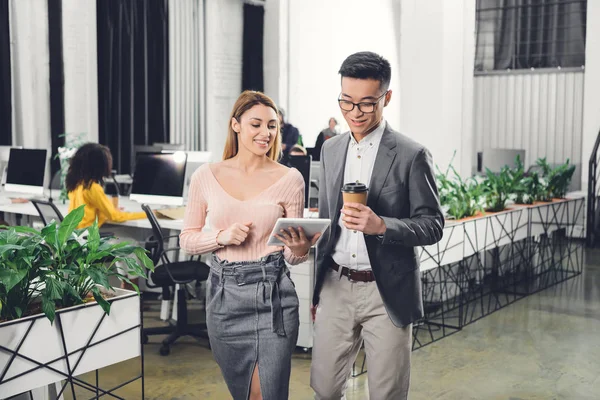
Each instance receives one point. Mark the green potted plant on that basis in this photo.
(544, 192)
(497, 189)
(63, 272)
(520, 195)
(560, 179)
(459, 198)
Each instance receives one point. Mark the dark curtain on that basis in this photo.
(133, 76)
(5, 80)
(252, 53)
(523, 34)
(57, 81)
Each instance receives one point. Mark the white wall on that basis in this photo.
(317, 48)
(80, 68)
(591, 97)
(436, 75)
(540, 112)
(430, 46)
(30, 73)
(224, 28)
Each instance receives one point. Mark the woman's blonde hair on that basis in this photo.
(246, 101)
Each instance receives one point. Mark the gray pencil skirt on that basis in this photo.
(252, 319)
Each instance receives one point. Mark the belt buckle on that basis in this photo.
(350, 272)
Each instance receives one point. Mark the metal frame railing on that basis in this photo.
(592, 198)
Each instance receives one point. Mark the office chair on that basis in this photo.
(166, 275)
(55, 181)
(47, 211)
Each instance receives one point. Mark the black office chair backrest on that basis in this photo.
(47, 211)
(55, 182)
(156, 245)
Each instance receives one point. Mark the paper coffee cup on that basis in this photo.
(115, 201)
(355, 193)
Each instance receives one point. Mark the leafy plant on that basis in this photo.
(460, 198)
(497, 189)
(556, 180)
(519, 189)
(559, 180)
(61, 266)
(546, 193)
(535, 186)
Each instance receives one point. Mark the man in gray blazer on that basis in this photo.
(368, 284)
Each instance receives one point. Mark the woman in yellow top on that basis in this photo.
(90, 165)
(88, 168)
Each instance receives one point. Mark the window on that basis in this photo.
(525, 34)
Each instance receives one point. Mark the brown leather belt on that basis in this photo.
(353, 274)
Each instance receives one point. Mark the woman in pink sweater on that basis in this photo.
(251, 305)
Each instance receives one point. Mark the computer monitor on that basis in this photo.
(159, 178)
(26, 169)
(195, 159)
(169, 146)
(496, 159)
(302, 164)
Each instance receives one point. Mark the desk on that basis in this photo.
(125, 202)
(128, 205)
(302, 275)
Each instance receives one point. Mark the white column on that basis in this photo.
(224, 29)
(591, 95)
(437, 48)
(321, 35)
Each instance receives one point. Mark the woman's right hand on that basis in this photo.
(235, 235)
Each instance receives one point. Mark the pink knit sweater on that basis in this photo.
(285, 198)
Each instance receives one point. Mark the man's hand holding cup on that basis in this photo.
(356, 215)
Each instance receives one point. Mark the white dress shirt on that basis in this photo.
(351, 249)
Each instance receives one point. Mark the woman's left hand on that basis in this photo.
(297, 241)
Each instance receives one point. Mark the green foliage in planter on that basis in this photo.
(519, 189)
(461, 198)
(556, 180)
(497, 188)
(559, 180)
(535, 187)
(61, 267)
(546, 193)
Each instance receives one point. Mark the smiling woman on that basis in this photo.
(250, 299)
(263, 115)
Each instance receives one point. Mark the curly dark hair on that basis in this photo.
(91, 164)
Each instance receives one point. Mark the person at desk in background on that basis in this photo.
(289, 134)
(88, 168)
(372, 245)
(252, 306)
(324, 135)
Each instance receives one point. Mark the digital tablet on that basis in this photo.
(311, 227)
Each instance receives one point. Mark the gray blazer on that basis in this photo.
(403, 193)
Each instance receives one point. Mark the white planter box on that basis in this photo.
(447, 251)
(92, 342)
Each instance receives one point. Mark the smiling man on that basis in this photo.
(368, 284)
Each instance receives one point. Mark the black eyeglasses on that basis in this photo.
(364, 107)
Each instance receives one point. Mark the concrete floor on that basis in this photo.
(546, 346)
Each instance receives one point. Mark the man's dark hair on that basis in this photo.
(91, 163)
(367, 65)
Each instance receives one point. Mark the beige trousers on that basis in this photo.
(348, 313)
